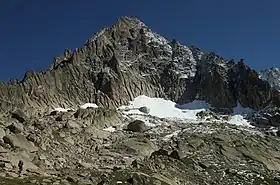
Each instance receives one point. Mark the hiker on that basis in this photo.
(20, 167)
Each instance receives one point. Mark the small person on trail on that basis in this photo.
(20, 167)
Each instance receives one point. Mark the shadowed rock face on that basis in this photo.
(127, 60)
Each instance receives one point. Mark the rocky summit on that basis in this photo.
(131, 107)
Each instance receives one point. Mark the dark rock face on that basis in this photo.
(224, 84)
(251, 91)
(269, 116)
(128, 60)
(137, 126)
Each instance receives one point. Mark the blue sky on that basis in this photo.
(32, 32)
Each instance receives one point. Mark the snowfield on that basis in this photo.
(165, 108)
(162, 108)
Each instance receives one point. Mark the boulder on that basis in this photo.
(58, 118)
(160, 152)
(40, 125)
(137, 126)
(54, 113)
(19, 115)
(33, 138)
(142, 146)
(72, 125)
(16, 127)
(175, 154)
(144, 109)
(18, 140)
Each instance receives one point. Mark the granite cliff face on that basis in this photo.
(128, 59)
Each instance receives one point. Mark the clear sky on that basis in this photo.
(33, 32)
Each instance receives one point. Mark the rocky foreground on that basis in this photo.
(108, 145)
(103, 146)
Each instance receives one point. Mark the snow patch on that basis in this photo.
(59, 109)
(88, 105)
(109, 129)
(165, 108)
(239, 115)
(239, 120)
(149, 121)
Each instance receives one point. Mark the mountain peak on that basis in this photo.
(272, 76)
(128, 59)
(130, 19)
(122, 25)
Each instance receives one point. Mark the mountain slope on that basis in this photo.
(128, 60)
(272, 76)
